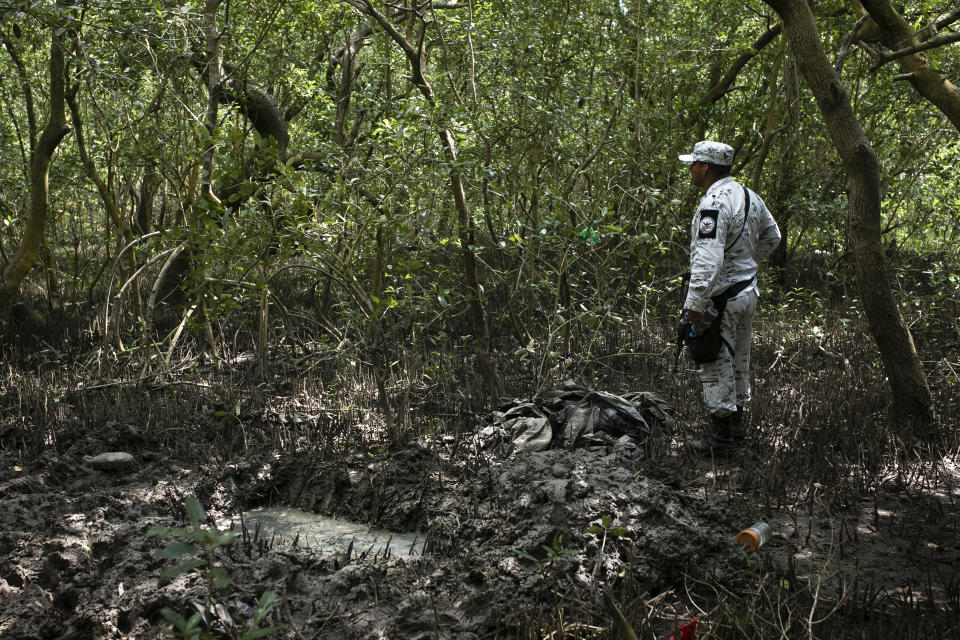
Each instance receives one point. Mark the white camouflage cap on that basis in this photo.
(712, 152)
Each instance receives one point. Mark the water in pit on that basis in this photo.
(283, 524)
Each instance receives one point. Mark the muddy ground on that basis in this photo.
(76, 560)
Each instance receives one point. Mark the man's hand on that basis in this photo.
(696, 319)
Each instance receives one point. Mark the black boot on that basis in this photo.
(738, 426)
(719, 442)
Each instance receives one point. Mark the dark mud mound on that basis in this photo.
(505, 537)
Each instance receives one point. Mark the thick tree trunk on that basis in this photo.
(896, 33)
(47, 143)
(912, 410)
(258, 106)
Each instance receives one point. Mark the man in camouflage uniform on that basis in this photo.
(726, 245)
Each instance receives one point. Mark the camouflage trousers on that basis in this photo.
(726, 382)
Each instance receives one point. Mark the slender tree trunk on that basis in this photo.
(375, 338)
(21, 262)
(912, 408)
(110, 205)
(214, 78)
(784, 183)
(478, 314)
(770, 129)
(465, 228)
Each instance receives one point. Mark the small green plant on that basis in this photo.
(554, 551)
(609, 531)
(196, 546)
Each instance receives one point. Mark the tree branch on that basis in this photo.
(845, 47)
(367, 8)
(943, 20)
(932, 43)
(721, 87)
(895, 33)
(582, 166)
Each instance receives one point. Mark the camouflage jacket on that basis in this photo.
(720, 254)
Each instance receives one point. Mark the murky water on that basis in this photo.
(284, 524)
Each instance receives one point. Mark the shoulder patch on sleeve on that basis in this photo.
(708, 223)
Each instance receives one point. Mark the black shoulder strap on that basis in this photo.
(746, 213)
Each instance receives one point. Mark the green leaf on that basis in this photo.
(176, 550)
(219, 577)
(194, 510)
(174, 618)
(527, 556)
(259, 613)
(157, 530)
(193, 622)
(267, 599)
(180, 569)
(225, 538)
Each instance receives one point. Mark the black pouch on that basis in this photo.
(705, 347)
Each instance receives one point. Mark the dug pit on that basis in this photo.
(285, 525)
(544, 504)
(503, 537)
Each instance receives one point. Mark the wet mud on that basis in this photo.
(506, 542)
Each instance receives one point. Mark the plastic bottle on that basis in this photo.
(756, 536)
(709, 315)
